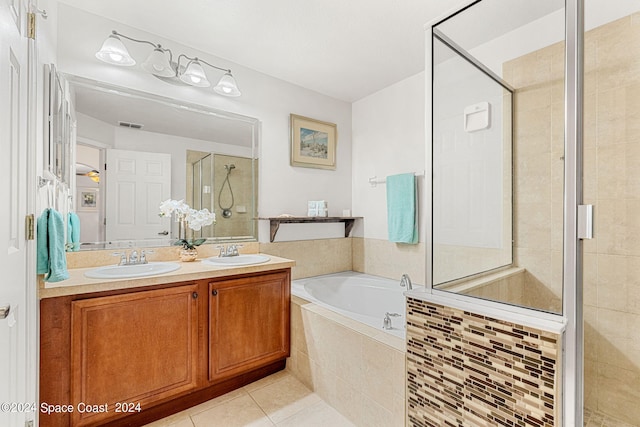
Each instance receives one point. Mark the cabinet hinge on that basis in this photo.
(29, 224)
(31, 25)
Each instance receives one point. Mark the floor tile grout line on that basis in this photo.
(266, 385)
(261, 408)
(223, 402)
(295, 413)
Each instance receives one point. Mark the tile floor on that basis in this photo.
(283, 401)
(597, 419)
(277, 400)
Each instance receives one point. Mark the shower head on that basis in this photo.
(230, 167)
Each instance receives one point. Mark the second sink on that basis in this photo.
(247, 259)
(136, 270)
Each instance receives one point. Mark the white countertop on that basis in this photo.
(78, 283)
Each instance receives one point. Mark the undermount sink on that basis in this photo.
(247, 259)
(136, 270)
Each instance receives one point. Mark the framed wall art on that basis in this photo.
(87, 199)
(313, 143)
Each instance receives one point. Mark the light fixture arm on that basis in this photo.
(155, 45)
(195, 58)
(115, 33)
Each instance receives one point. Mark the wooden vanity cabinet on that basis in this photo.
(132, 350)
(159, 350)
(248, 323)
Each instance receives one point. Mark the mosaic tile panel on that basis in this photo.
(470, 370)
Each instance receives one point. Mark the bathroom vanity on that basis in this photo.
(126, 352)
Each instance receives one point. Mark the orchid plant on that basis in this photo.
(194, 219)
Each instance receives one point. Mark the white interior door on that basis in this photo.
(13, 193)
(136, 184)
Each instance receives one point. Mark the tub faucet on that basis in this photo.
(405, 281)
(386, 323)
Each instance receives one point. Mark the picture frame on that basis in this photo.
(87, 199)
(313, 143)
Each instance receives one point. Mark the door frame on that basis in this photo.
(572, 300)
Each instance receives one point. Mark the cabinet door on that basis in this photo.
(135, 348)
(248, 323)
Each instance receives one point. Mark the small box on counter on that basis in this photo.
(317, 208)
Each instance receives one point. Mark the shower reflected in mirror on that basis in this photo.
(226, 211)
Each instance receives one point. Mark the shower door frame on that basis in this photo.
(570, 322)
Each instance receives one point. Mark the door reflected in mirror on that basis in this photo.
(135, 150)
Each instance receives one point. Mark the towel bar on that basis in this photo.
(374, 180)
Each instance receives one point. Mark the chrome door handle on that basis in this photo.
(163, 233)
(4, 311)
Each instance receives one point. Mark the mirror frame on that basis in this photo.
(254, 123)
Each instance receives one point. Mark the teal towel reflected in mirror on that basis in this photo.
(402, 208)
(73, 232)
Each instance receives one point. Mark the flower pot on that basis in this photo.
(188, 255)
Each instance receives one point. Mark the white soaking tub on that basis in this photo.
(359, 296)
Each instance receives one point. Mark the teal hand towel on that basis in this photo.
(73, 232)
(42, 247)
(402, 208)
(57, 255)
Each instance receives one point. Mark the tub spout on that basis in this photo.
(405, 281)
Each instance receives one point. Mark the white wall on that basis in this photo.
(388, 139)
(283, 189)
(468, 192)
(96, 130)
(388, 126)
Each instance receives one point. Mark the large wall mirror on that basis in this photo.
(498, 152)
(135, 150)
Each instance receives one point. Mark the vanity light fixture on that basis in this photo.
(160, 63)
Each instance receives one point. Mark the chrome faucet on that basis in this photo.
(386, 323)
(231, 250)
(405, 281)
(132, 258)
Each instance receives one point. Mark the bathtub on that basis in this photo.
(359, 296)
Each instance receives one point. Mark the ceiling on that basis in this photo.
(346, 49)
(111, 107)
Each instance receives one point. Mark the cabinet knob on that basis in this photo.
(194, 295)
(214, 292)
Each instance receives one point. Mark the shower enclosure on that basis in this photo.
(226, 186)
(200, 183)
(535, 117)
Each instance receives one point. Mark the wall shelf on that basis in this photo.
(275, 222)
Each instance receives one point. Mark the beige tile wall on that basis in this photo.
(313, 257)
(455, 262)
(357, 369)
(239, 224)
(611, 183)
(612, 259)
(509, 289)
(388, 259)
(85, 259)
(538, 165)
